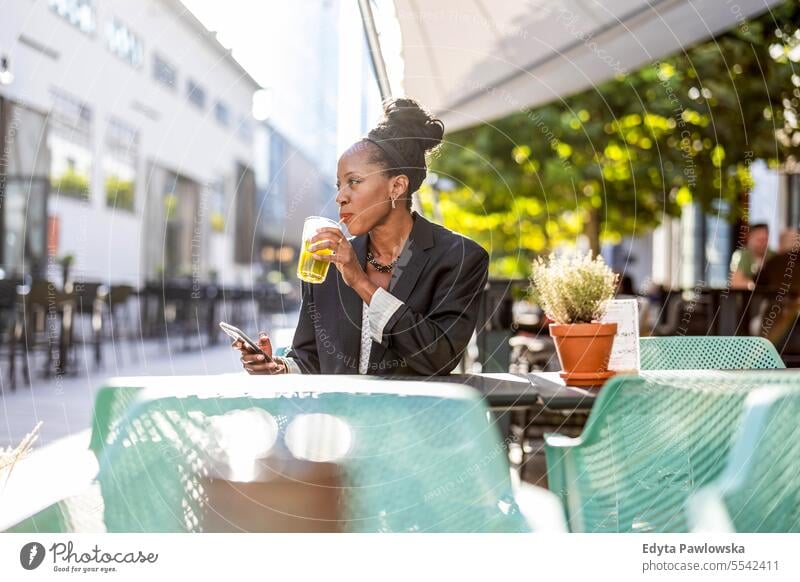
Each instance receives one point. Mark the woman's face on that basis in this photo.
(364, 192)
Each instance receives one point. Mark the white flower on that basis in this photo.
(572, 288)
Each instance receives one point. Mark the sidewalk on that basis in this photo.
(65, 404)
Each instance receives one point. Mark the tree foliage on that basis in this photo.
(614, 159)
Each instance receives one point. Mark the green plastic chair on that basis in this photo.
(77, 513)
(649, 443)
(759, 490)
(708, 353)
(422, 456)
(111, 404)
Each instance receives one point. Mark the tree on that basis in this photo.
(613, 160)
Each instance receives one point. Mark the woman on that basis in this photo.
(403, 298)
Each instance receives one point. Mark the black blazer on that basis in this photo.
(439, 276)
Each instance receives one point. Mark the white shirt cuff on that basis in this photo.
(381, 308)
(291, 365)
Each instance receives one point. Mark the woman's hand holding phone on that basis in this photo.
(256, 363)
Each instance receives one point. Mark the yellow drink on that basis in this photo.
(310, 269)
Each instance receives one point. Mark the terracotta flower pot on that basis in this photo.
(584, 350)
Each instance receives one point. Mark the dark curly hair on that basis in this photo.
(402, 138)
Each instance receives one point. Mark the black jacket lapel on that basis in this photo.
(409, 267)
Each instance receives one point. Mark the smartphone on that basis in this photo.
(237, 334)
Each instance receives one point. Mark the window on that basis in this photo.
(184, 242)
(216, 195)
(222, 113)
(23, 212)
(245, 215)
(79, 13)
(70, 143)
(119, 165)
(196, 94)
(164, 72)
(245, 130)
(124, 43)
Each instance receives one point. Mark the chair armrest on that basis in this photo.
(706, 512)
(541, 508)
(559, 441)
(557, 449)
(47, 476)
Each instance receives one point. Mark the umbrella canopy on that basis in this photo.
(473, 61)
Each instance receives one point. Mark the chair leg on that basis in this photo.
(133, 335)
(26, 372)
(212, 323)
(97, 334)
(65, 340)
(119, 332)
(112, 334)
(12, 357)
(49, 362)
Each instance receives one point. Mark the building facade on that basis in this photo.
(129, 144)
(312, 58)
(290, 186)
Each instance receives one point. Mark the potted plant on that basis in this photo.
(573, 289)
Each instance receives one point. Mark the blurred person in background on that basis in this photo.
(748, 261)
(779, 284)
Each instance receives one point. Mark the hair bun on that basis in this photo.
(409, 119)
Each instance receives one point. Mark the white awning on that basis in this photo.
(473, 61)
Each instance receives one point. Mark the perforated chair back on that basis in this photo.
(650, 442)
(423, 459)
(759, 490)
(708, 353)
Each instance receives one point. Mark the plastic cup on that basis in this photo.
(310, 269)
